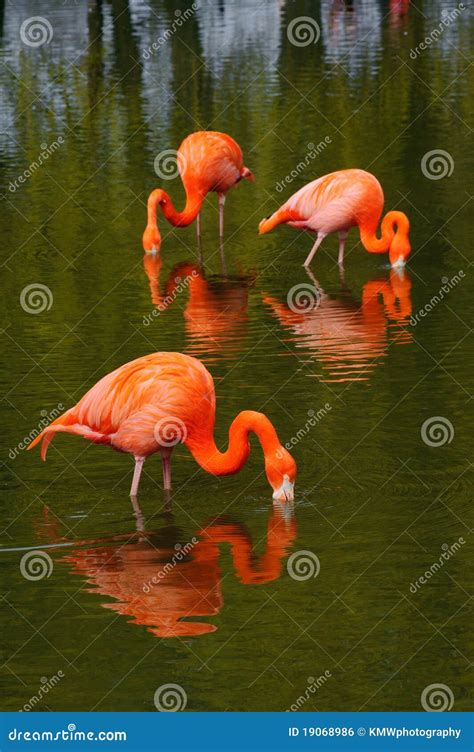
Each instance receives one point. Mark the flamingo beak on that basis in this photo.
(286, 492)
(261, 226)
(399, 263)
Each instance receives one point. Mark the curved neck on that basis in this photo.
(158, 197)
(380, 245)
(211, 459)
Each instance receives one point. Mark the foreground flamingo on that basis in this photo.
(339, 201)
(158, 401)
(207, 161)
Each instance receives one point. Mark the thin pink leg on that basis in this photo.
(136, 475)
(166, 462)
(221, 214)
(315, 247)
(198, 226)
(342, 244)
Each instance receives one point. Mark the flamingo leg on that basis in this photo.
(198, 226)
(342, 244)
(136, 475)
(221, 214)
(166, 463)
(315, 247)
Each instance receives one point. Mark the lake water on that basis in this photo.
(243, 604)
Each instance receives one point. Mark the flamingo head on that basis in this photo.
(280, 468)
(248, 174)
(400, 247)
(265, 225)
(151, 239)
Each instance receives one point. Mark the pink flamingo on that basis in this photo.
(160, 400)
(339, 201)
(207, 161)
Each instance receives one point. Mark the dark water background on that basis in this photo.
(375, 503)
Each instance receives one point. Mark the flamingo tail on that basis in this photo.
(67, 424)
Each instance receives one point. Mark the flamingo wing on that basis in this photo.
(329, 203)
(124, 407)
(211, 160)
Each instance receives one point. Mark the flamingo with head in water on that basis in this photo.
(207, 161)
(158, 401)
(339, 201)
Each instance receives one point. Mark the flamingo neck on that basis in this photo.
(392, 219)
(159, 197)
(211, 459)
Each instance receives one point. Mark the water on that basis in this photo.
(197, 591)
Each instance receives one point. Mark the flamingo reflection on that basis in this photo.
(347, 338)
(170, 588)
(216, 312)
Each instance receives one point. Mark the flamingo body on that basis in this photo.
(160, 400)
(210, 161)
(207, 161)
(339, 201)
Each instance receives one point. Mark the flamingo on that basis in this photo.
(339, 201)
(160, 400)
(207, 161)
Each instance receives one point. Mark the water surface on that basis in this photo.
(197, 591)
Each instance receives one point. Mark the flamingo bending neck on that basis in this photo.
(162, 199)
(394, 235)
(205, 452)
